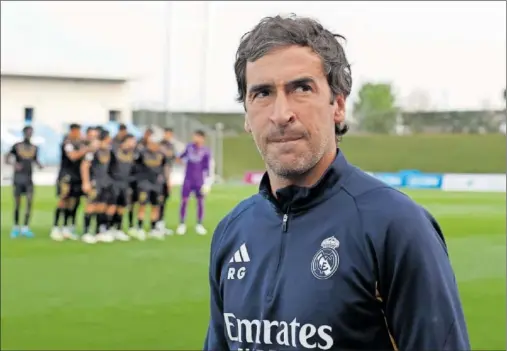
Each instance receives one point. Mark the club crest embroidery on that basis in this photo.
(326, 260)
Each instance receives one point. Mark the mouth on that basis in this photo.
(286, 139)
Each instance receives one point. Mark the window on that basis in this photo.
(114, 116)
(28, 114)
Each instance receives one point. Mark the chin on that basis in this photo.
(291, 165)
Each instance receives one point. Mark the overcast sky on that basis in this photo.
(447, 55)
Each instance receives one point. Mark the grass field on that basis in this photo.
(381, 153)
(154, 295)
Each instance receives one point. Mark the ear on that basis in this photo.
(247, 125)
(339, 109)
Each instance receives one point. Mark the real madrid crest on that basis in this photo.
(326, 260)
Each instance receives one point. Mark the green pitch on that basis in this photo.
(154, 295)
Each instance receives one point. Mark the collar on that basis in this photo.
(294, 198)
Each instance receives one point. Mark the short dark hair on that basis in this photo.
(122, 127)
(200, 132)
(89, 129)
(276, 32)
(26, 129)
(168, 129)
(127, 137)
(75, 126)
(104, 134)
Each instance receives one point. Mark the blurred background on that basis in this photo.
(427, 115)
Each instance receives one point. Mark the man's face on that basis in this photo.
(152, 146)
(28, 133)
(75, 133)
(198, 139)
(106, 143)
(147, 135)
(129, 144)
(168, 135)
(92, 134)
(289, 110)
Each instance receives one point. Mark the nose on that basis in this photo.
(282, 112)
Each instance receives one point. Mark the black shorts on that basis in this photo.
(23, 188)
(151, 193)
(120, 195)
(68, 187)
(134, 194)
(101, 194)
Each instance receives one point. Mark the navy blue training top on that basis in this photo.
(349, 263)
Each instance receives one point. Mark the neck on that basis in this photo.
(26, 140)
(307, 179)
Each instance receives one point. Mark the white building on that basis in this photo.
(57, 100)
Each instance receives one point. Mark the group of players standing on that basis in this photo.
(119, 176)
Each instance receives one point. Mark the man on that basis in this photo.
(25, 154)
(152, 177)
(134, 193)
(69, 181)
(197, 170)
(325, 256)
(118, 139)
(91, 136)
(97, 186)
(120, 169)
(92, 133)
(168, 149)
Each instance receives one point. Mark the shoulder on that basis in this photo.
(90, 156)
(373, 195)
(394, 221)
(14, 148)
(381, 207)
(68, 146)
(237, 213)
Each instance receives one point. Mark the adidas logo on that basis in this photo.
(241, 255)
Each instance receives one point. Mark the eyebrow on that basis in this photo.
(265, 86)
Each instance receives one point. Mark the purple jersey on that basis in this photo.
(197, 159)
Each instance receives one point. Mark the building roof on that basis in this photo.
(51, 76)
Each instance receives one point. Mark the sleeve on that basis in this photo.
(68, 147)
(138, 157)
(169, 161)
(36, 156)
(422, 304)
(170, 157)
(184, 153)
(89, 156)
(215, 337)
(12, 150)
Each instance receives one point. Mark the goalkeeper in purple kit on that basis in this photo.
(197, 157)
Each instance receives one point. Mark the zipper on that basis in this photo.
(285, 223)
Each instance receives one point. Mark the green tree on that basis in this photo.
(375, 108)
